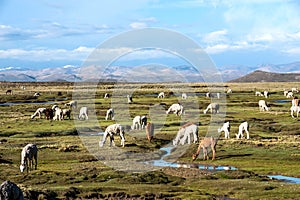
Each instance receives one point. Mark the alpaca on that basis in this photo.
(143, 121)
(262, 106)
(72, 104)
(176, 108)
(213, 107)
(28, 157)
(136, 123)
(49, 113)
(184, 134)
(295, 109)
(129, 99)
(243, 127)
(184, 96)
(112, 130)
(58, 114)
(161, 95)
(226, 129)
(150, 131)
(83, 113)
(9, 92)
(204, 144)
(39, 112)
(10, 191)
(66, 113)
(110, 114)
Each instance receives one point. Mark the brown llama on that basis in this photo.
(150, 131)
(204, 144)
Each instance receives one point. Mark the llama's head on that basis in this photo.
(204, 111)
(219, 130)
(22, 167)
(194, 156)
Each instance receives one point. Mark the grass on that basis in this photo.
(68, 169)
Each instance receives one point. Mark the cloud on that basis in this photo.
(138, 25)
(215, 37)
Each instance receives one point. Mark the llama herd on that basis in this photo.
(187, 133)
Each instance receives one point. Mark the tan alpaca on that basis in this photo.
(204, 144)
(149, 131)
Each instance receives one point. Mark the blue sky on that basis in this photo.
(53, 33)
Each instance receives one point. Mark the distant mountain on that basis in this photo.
(153, 73)
(262, 76)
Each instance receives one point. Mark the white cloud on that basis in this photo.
(215, 37)
(138, 25)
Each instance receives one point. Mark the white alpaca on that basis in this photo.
(290, 95)
(184, 134)
(83, 113)
(294, 89)
(207, 95)
(54, 107)
(285, 92)
(243, 127)
(129, 99)
(226, 129)
(110, 114)
(112, 130)
(58, 114)
(262, 105)
(28, 157)
(266, 94)
(295, 109)
(72, 104)
(161, 95)
(184, 96)
(213, 107)
(229, 91)
(257, 93)
(176, 108)
(136, 123)
(106, 95)
(39, 112)
(36, 94)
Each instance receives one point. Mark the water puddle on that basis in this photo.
(282, 101)
(163, 163)
(26, 103)
(287, 179)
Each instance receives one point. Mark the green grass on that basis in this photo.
(67, 169)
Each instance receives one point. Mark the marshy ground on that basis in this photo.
(68, 170)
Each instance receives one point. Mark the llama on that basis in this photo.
(204, 144)
(136, 123)
(294, 89)
(83, 113)
(29, 157)
(10, 191)
(49, 114)
(285, 92)
(161, 95)
(213, 107)
(295, 109)
(229, 91)
(38, 112)
(244, 126)
(184, 134)
(58, 114)
(208, 95)
(143, 121)
(176, 108)
(226, 129)
(112, 130)
(295, 101)
(106, 95)
(66, 113)
(184, 96)
(150, 131)
(9, 92)
(266, 94)
(72, 104)
(290, 95)
(257, 93)
(36, 94)
(54, 107)
(262, 106)
(129, 98)
(110, 114)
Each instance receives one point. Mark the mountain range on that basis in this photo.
(182, 73)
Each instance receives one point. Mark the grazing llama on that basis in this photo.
(262, 106)
(29, 157)
(244, 126)
(213, 107)
(113, 130)
(150, 131)
(38, 112)
(83, 113)
(184, 134)
(176, 108)
(204, 144)
(110, 114)
(226, 129)
(161, 95)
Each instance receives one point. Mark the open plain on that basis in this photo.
(68, 170)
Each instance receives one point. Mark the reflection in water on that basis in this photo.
(286, 179)
(162, 163)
